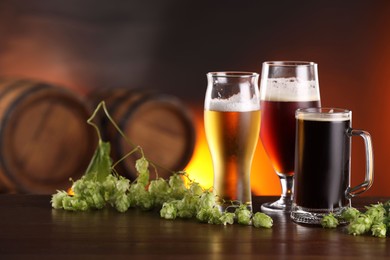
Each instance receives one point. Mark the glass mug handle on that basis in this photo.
(369, 178)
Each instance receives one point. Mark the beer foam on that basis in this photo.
(325, 117)
(289, 89)
(233, 104)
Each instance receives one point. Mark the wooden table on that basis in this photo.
(30, 228)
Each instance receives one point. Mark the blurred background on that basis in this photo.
(170, 45)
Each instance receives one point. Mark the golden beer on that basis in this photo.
(232, 139)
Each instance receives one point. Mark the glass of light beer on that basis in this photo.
(323, 163)
(232, 123)
(285, 87)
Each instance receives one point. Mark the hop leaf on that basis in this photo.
(100, 165)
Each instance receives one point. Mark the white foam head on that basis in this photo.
(289, 89)
(233, 104)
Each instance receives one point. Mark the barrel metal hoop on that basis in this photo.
(122, 122)
(160, 97)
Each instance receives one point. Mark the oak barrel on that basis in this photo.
(159, 123)
(44, 137)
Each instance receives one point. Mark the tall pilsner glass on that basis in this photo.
(232, 124)
(285, 87)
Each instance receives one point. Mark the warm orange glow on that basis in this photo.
(263, 179)
(70, 192)
(200, 168)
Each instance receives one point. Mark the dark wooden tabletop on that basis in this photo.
(30, 228)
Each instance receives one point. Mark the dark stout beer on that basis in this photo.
(322, 162)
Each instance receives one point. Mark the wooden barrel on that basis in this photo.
(159, 123)
(44, 137)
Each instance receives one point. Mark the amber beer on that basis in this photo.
(232, 137)
(278, 132)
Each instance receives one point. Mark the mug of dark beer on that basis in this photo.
(323, 163)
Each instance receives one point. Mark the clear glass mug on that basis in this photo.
(285, 87)
(323, 163)
(232, 122)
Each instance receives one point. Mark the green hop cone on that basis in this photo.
(262, 220)
(204, 214)
(243, 215)
(143, 178)
(187, 206)
(145, 200)
(177, 187)
(140, 197)
(227, 218)
(350, 214)
(379, 230)
(159, 191)
(56, 199)
(377, 212)
(215, 215)
(142, 165)
(196, 189)
(79, 187)
(74, 203)
(206, 200)
(329, 221)
(134, 191)
(169, 210)
(122, 203)
(122, 184)
(360, 225)
(109, 188)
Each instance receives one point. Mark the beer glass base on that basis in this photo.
(281, 205)
(314, 216)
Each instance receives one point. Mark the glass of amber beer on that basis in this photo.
(232, 123)
(285, 87)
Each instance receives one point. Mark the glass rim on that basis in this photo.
(233, 74)
(323, 112)
(290, 63)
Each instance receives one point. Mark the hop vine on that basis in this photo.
(101, 186)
